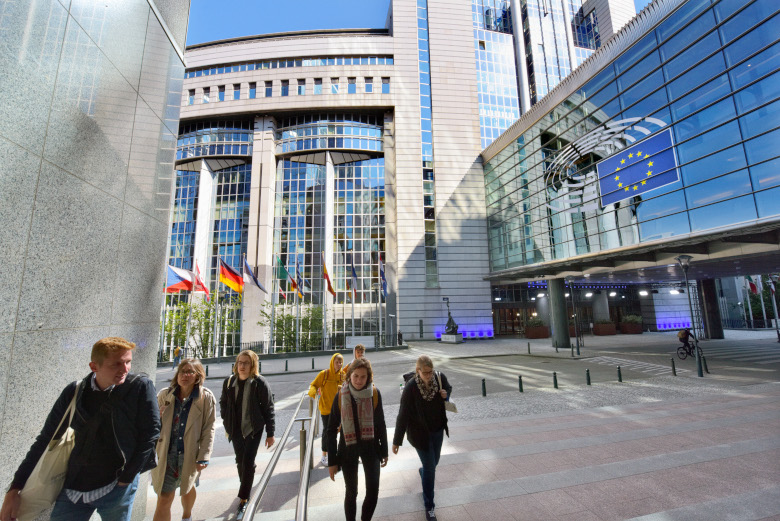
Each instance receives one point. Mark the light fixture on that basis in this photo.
(566, 295)
(533, 314)
(588, 294)
(613, 293)
(533, 298)
(674, 292)
(540, 295)
(643, 293)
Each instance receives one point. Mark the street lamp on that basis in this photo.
(685, 263)
(774, 304)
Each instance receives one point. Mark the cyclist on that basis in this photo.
(683, 335)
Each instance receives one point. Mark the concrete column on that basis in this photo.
(600, 306)
(710, 310)
(559, 320)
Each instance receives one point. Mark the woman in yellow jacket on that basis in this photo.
(327, 384)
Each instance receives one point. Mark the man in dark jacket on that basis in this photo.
(247, 407)
(117, 423)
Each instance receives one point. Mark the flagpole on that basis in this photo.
(189, 322)
(761, 296)
(214, 338)
(750, 307)
(273, 313)
(162, 327)
(379, 312)
(297, 318)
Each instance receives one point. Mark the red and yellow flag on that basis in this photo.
(325, 275)
(230, 277)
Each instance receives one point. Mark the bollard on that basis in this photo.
(312, 363)
(620, 375)
(572, 351)
(555, 379)
(578, 348)
(520, 382)
(556, 346)
(259, 366)
(285, 365)
(704, 361)
(529, 348)
(484, 389)
(587, 376)
(674, 369)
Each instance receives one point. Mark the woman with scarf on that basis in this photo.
(423, 419)
(187, 411)
(327, 384)
(357, 410)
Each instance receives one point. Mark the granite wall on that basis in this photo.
(88, 124)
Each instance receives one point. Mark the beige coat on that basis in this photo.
(198, 437)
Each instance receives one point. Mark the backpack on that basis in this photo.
(408, 376)
(681, 334)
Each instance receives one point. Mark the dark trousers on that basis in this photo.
(246, 451)
(429, 457)
(371, 473)
(325, 418)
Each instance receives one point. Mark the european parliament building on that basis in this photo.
(465, 145)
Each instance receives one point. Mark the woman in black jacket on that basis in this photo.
(247, 407)
(424, 421)
(361, 433)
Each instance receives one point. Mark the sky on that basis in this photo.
(210, 20)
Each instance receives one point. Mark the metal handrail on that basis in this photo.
(254, 500)
(303, 487)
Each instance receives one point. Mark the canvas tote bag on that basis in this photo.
(47, 478)
(448, 404)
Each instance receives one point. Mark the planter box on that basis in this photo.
(537, 332)
(604, 329)
(630, 328)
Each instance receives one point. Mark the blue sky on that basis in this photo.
(211, 20)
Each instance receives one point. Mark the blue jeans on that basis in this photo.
(429, 457)
(117, 505)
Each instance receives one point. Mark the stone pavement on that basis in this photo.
(659, 449)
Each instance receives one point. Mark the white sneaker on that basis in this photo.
(324, 460)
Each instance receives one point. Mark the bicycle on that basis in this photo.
(685, 350)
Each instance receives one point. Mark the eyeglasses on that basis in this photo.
(244, 363)
(427, 373)
(188, 373)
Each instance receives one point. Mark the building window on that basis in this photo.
(221, 93)
(236, 91)
(385, 85)
(191, 97)
(252, 90)
(334, 85)
(285, 88)
(317, 85)
(369, 85)
(301, 87)
(351, 85)
(206, 94)
(481, 45)
(269, 85)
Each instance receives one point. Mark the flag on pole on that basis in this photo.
(281, 293)
(282, 273)
(354, 280)
(325, 275)
(772, 286)
(753, 287)
(178, 280)
(382, 276)
(230, 277)
(199, 284)
(302, 282)
(249, 277)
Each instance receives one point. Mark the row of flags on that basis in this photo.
(754, 288)
(180, 279)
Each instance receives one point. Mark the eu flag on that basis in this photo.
(638, 169)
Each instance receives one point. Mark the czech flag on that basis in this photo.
(230, 277)
(178, 280)
(325, 275)
(199, 284)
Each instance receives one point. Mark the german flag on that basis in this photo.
(230, 277)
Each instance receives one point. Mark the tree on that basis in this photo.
(310, 337)
(201, 324)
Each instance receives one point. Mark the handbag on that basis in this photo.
(448, 405)
(48, 477)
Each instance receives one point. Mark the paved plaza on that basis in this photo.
(655, 447)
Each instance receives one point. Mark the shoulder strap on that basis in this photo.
(438, 378)
(375, 396)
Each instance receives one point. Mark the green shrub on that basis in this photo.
(534, 322)
(632, 319)
(604, 321)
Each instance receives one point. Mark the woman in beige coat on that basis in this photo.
(187, 412)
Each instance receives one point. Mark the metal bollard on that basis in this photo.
(572, 351)
(520, 382)
(207, 370)
(312, 363)
(484, 389)
(620, 375)
(556, 346)
(555, 379)
(704, 361)
(587, 376)
(674, 369)
(529, 348)
(285, 365)
(259, 366)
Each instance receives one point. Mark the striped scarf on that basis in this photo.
(365, 410)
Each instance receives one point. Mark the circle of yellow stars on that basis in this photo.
(649, 173)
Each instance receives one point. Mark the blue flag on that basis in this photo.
(382, 275)
(638, 169)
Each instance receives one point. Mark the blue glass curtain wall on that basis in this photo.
(708, 72)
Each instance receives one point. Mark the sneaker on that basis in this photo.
(241, 510)
(324, 460)
(430, 515)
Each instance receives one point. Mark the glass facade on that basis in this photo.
(329, 132)
(585, 31)
(289, 63)
(708, 73)
(546, 47)
(183, 218)
(214, 138)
